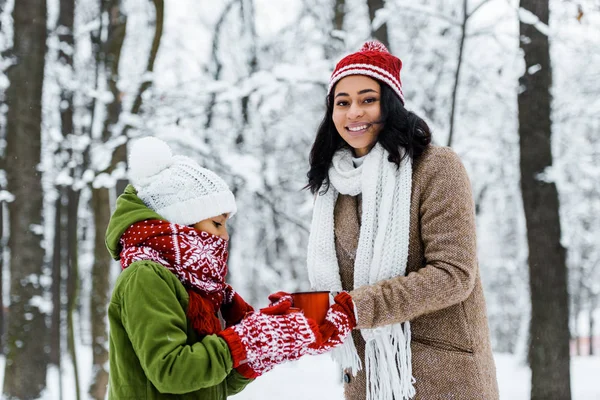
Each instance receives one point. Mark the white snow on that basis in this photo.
(103, 180)
(317, 377)
(527, 17)
(285, 96)
(533, 69)
(6, 196)
(44, 305)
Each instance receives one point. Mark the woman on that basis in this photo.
(394, 225)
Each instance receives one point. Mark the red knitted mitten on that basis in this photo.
(280, 303)
(234, 308)
(339, 322)
(261, 341)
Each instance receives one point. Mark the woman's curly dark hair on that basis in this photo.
(401, 129)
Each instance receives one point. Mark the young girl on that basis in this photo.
(169, 231)
(394, 225)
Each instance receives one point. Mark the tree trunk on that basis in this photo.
(72, 294)
(591, 320)
(339, 12)
(3, 241)
(66, 21)
(336, 43)
(100, 291)
(101, 195)
(57, 292)
(2, 6)
(248, 20)
(218, 65)
(2, 313)
(461, 48)
(159, 8)
(381, 32)
(26, 358)
(549, 346)
(575, 307)
(110, 57)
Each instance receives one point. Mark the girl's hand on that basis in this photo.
(280, 303)
(261, 341)
(234, 307)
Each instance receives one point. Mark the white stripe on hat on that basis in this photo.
(369, 70)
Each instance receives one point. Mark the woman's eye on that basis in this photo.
(217, 224)
(341, 103)
(370, 100)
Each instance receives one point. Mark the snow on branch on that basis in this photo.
(529, 18)
(6, 196)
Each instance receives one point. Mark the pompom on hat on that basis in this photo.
(176, 187)
(373, 60)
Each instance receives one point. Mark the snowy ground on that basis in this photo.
(317, 378)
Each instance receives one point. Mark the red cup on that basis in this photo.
(313, 304)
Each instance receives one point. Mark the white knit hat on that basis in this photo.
(176, 187)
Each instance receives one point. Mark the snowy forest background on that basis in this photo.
(239, 85)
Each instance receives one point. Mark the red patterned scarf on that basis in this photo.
(197, 258)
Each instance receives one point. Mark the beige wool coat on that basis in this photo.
(441, 294)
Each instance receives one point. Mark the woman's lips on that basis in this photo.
(357, 129)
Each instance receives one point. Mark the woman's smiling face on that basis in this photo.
(357, 112)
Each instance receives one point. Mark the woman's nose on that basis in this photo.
(224, 235)
(355, 111)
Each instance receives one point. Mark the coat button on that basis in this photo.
(347, 377)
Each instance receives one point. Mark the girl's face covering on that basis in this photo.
(357, 112)
(215, 226)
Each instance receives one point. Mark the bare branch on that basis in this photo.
(426, 11)
(281, 214)
(461, 48)
(477, 7)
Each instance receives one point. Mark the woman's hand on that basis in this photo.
(339, 322)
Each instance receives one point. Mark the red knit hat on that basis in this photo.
(373, 60)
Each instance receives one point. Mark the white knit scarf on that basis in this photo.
(381, 254)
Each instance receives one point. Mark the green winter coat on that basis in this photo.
(154, 352)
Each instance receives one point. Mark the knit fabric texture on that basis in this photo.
(381, 254)
(339, 322)
(262, 341)
(198, 259)
(441, 293)
(373, 60)
(234, 307)
(176, 187)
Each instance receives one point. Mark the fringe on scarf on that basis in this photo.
(347, 356)
(388, 364)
